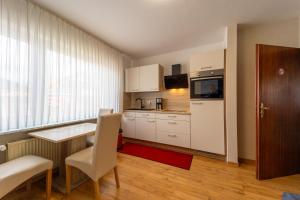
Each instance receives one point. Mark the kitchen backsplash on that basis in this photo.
(174, 99)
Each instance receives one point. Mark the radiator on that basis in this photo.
(34, 146)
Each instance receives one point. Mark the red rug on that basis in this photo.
(168, 157)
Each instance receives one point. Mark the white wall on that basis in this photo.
(231, 94)
(284, 33)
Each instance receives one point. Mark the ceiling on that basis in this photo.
(142, 28)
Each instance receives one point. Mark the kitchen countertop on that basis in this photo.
(178, 112)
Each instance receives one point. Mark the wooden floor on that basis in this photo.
(147, 180)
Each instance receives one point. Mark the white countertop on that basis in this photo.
(179, 112)
(65, 133)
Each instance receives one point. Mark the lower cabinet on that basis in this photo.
(175, 131)
(128, 126)
(168, 129)
(176, 139)
(145, 129)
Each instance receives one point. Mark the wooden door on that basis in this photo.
(278, 111)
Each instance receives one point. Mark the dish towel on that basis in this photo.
(290, 196)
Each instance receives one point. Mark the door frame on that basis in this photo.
(257, 109)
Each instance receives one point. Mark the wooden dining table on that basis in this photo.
(72, 138)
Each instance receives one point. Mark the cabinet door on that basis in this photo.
(175, 139)
(149, 78)
(207, 61)
(207, 126)
(132, 79)
(128, 126)
(145, 129)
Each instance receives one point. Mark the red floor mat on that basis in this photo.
(168, 157)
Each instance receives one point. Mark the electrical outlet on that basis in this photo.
(2, 147)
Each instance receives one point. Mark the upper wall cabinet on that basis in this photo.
(132, 79)
(143, 79)
(208, 61)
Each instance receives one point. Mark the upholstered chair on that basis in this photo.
(99, 159)
(91, 139)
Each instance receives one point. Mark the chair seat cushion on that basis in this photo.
(83, 161)
(17, 171)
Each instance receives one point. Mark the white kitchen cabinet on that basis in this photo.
(146, 78)
(146, 129)
(145, 115)
(173, 129)
(132, 79)
(173, 126)
(207, 126)
(166, 128)
(170, 116)
(149, 78)
(128, 125)
(211, 60)
(175, 139)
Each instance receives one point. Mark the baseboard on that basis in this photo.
(232, 164)
(177, 149)
(247, 161)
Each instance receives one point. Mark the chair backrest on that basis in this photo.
(104, 111)
(105, 146)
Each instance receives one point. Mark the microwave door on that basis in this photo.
(207, 88)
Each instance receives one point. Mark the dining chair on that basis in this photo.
(98, 160)
(102, 111)
(15, 172)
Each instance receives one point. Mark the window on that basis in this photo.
(51, 72)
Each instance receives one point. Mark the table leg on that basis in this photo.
(65, 149)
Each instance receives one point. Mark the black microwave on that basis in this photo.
(207, 85)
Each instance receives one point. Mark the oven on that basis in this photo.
(207, 85)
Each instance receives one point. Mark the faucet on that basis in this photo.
(139, 99)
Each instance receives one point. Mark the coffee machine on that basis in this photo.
(159, 103)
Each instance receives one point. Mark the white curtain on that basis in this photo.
(52, 72)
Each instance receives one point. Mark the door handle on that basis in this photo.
(262, 109)
(206, 67)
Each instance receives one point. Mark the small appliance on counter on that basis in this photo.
(159, 103)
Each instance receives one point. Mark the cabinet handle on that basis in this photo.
(131, 119)
(172, 116)
(173, 136)
(207, 67)
(172, 123)
(151, 121)
(145, 115)
(197, 103)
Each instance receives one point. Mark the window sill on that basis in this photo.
(49, 126)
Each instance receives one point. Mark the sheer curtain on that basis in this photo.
(51, 71)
